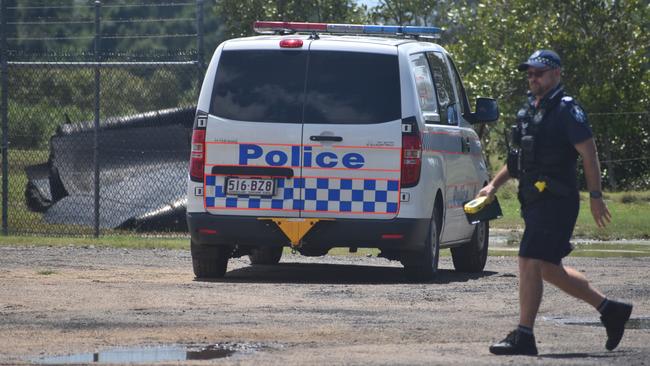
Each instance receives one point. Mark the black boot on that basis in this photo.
(516, 343)
(614, 317)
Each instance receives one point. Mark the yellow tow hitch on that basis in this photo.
(294, 228)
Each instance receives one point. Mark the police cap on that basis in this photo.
(541, 58)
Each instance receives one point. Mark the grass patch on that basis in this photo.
(121, 241)
(46, 272)
(594, 250)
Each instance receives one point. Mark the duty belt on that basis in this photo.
(531, 190)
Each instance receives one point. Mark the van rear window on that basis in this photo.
(341, 87)
(352, 87)
(262, 86)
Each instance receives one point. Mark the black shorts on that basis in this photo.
(549, 227)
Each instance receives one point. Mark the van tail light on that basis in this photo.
(197, 157)
(411, 159)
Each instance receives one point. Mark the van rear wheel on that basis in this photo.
(209, 261)
(265, 255)
(471, 257)
(423, 265)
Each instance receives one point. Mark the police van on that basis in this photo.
(314, 136)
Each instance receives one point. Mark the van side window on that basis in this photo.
(464, 101)
(445, 92)
(424, 84)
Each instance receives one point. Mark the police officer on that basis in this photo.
(551, 131)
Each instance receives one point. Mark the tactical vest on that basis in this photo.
(533, 161)
(527, 158)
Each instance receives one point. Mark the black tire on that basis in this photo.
(423, 265)
(265, 255)
(209, 261)
(471, 257)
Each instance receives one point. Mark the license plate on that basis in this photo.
(250, 186)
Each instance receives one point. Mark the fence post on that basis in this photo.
(200, 57)
(199, 33)
(97, 49)
(5, 117)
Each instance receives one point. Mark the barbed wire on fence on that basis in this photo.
(110, 36)
(47, 25)
(91, 21)
(81, 6)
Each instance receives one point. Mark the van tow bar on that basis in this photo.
(294, 228)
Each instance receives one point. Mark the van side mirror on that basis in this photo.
(487, 110)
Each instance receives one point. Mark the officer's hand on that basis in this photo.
(488, 190)
(600, 212)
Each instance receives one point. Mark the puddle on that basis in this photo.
(634, 323)
(130, 355)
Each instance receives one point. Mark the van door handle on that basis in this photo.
(465, 145)
(326, 138)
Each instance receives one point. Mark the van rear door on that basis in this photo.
(254, 131)
(352, 132)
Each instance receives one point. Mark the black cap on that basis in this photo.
(541, 58)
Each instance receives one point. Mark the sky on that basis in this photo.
(369, 3)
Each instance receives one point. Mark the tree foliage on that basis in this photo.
(410, 12)
(238, 16)
(604, 49)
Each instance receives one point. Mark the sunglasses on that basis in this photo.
(538, 73)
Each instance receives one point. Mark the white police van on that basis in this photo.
(307, 138)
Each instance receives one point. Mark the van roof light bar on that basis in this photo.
(293, 27)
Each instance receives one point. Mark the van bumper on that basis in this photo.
(405, 234)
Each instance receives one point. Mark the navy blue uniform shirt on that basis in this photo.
(564, 124)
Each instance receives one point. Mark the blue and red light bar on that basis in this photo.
(272, 27)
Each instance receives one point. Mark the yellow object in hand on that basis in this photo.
(477, 204)
(540, 185)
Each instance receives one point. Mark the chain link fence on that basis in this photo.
(97, 108)
(96, 142)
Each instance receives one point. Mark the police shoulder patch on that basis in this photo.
(578, 114)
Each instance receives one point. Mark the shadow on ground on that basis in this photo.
(320, 273)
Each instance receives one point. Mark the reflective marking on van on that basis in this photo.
(320, 194)
(445, 142)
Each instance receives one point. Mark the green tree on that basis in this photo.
(604, 45)
(410, 12)
(238, 16)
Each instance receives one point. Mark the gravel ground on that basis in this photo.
(351, 310)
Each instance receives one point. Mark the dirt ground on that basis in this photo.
(351, 310)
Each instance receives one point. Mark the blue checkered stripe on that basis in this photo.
(320, 195)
